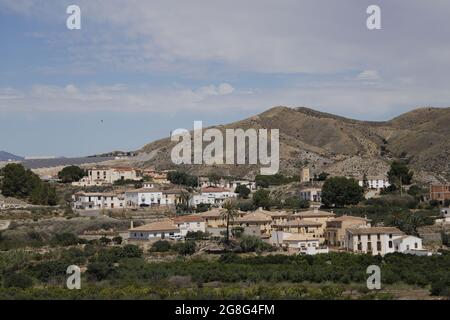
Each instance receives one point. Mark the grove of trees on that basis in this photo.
(24, 184)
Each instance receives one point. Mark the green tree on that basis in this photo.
(228, 213)
(186, 248)
(16, 181)
(399, 175)
(71, 174)
(161, 246)
(261, 198)
(242, 191)
(340, 191)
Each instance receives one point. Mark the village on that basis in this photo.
(310, 230)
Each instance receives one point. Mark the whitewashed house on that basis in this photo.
(375, 183)
(213, 196)
(97, 201)
(311, 194)
(155, 231)
(144, 197)
(381, 240)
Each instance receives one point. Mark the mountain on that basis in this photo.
(5, 156)
(338, 145)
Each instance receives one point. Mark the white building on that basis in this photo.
(311, 194)
(192, 223)
(380, 241)
(375, 183)
(99, 200)
(105, 176)
(144, 197)
(249, 184)
(213, 196)
(155, 231)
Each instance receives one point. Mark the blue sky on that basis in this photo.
(139, 69)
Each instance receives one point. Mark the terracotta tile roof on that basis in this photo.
(143, 190)
(375, 230)
(346, 218)
(165, 225)
(214, 189)
(313, 213)
(213, 213)
(190, 218)
(300, 223)
(256, 216)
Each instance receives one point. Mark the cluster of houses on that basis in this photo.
(149, 196)
(307, 232)
(104, 176)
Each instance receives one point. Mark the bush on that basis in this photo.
(104, 240)
(198, 235)
(202, 207)
(161, 246)
(131, 251)
(17, 280)
(254, 244)
(185, 248)
(117, 240)
(64, 239)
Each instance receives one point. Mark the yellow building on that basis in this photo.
(258, 220)
(335, 230)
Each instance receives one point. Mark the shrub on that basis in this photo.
(161, 246)
(131, 251)
(64, 239)
(117, 240)
(254, 244)
(17, 280)
(186, 248)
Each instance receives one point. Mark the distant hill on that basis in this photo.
(5, 156)
(338, 145)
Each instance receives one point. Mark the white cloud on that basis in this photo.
(369, 75)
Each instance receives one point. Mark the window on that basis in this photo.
(416, 245)
(390, 244)
(369, 246)
(390, 236)
(359, 237)
(360, 246)
(378, 236)
(379, 246)
(368, 237)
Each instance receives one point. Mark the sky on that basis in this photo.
(138, 70)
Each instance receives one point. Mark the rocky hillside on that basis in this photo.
(340, 146)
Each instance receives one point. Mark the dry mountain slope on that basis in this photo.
(338, 145)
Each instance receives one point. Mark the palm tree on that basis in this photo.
(228, 213)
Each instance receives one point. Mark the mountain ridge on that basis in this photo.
(338, 145)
